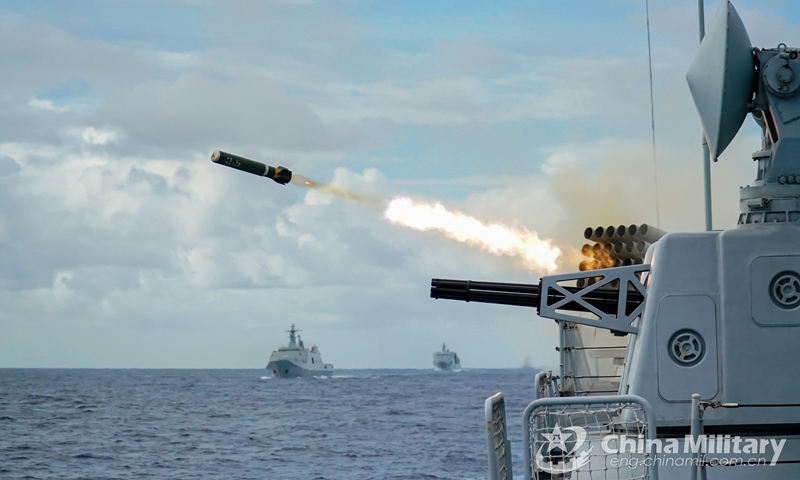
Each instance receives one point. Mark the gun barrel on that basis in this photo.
(280, 175)
(526, 295)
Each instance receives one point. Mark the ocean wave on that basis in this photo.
(93, 456)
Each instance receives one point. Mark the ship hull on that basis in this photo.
(448, 367)
(288, 369)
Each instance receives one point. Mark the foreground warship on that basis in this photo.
(446, 361)
(679, 367)
(295, 360)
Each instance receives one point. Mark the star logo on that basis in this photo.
(557, 439)
(563, 458)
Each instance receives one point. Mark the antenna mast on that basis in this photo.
(652, 112)
(701, 16)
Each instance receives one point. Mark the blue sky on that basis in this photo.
(123, 246)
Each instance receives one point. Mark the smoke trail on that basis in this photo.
(370, 200)
(535, 253)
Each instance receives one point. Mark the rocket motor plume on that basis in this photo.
(535, 253)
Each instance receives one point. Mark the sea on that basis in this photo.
(243, 424)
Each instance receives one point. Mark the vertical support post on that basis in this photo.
(509, 472)
(701, 16)
(528, 446)
(497, 442)
(707, 184)
(494, 468)
(537, 382)
(695, 432)
(562, 357)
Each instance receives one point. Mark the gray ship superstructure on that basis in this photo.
(295, 360)
(446, 361)
(693, 378)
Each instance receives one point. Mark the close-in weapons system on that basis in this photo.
(615, 246)
(524, 295)
(696, 379)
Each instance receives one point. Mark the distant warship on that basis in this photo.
(446, 361)
(295, 360)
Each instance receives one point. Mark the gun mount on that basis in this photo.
(718, 312)
(605, 300)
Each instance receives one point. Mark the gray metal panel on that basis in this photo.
(680, 264)
(696, 313)
(763, 271)
(752, 359)
(752, 352)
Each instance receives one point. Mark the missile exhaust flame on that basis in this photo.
(536, 254)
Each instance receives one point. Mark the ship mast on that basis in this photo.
(292, 335)
(701, 17)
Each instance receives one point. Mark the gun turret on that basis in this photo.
(280, 175)
(527, 295)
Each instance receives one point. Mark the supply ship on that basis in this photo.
(446, 361)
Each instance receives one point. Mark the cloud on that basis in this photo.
(537, 88)
(47, 105)
(196, 112)
(94, 136)
(471, 57)
(44, 57)
(120, 237)
(8, 166)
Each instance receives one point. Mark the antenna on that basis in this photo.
(721, 78)
(292, 332)
(652, 112)
(729, 78)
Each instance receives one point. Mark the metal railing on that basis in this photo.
(700, 461)
(575, 428)
(498, 444)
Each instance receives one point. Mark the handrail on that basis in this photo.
(650, 421)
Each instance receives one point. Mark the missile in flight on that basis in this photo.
(280, 175)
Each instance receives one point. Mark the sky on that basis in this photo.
(123, 246)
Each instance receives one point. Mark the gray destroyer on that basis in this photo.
(446, 361)
(295, 360)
